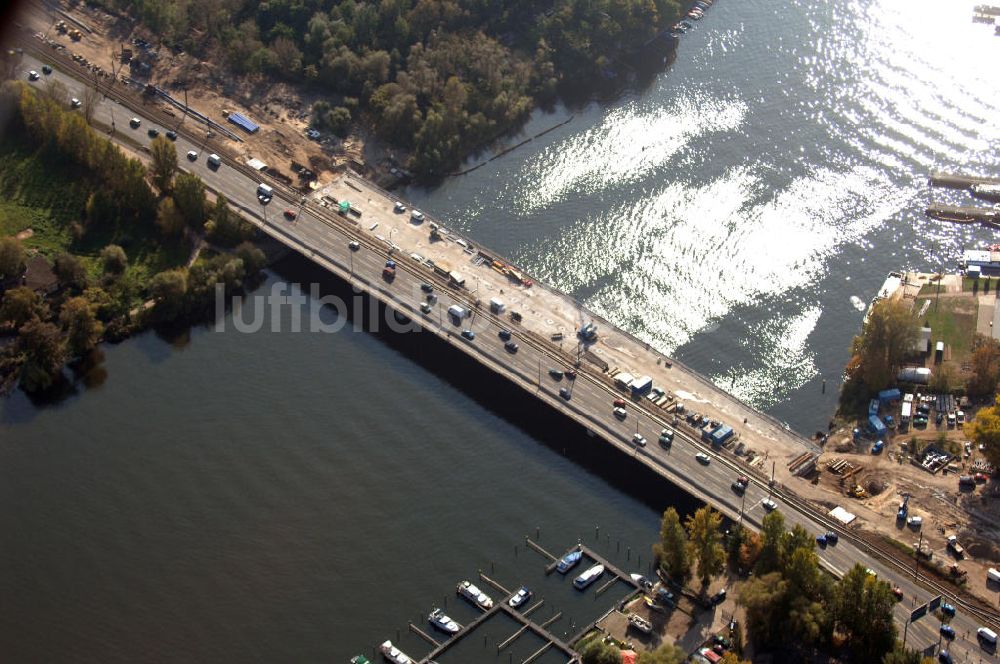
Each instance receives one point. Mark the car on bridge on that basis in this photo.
(666, 438)
(948, 609)
(353, 245)
(831, 537)
(556, 374)
(171, 134)
(152, 133)
(948, 632)
(134, 123)
(638, 440)
(769, 504)
(504, 334)
(741, 484)
(565, 393)
(619, 403)
(511, 346)
(469, 335)
(33, 75)
(620, 413)
(703, 458)
(46, 70)
(192, 155)
(426, 287)
(424, 307)
(290, 214)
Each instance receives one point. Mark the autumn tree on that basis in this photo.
(79, 320)
(163, 166)
(763, 599)
(706, 542)
(672, 549)
(985, 367)
(43, 353)
(12, 258)
(20, 305)
(985, 431)
(878, 352)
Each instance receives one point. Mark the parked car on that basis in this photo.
(399, 208)
(915, 522)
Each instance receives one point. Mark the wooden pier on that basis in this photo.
(959, 181)
(961, 214)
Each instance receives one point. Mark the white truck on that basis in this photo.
(955, 547)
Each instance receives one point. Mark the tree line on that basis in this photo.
(102, 296)
(436, 77)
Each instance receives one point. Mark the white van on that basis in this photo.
(993, 575)
(987, 634)
(214, 161)
(457, 313)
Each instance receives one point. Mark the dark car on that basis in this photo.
(947, 609)
(821, 541)
(564, 393)
(504, 334)
(46, 70)
(718, 598)
(171, 134)
(511, 346)
(831, 537)
(469, 334)
(945, 658)
(556, 374)
(152, 133)
(391, 263)
(939, 418)
(948, 632)
(571, 374)
(427, 288)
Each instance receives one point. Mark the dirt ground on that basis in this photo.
(971, 515)
(281, 110)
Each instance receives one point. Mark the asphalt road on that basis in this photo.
(591, 400)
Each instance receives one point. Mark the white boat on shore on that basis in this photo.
(640, 623)
(394, 654)
(474, 595)
(593, 574)
(892, 283)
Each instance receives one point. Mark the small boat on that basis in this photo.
(588, 577)
(394, 654)
(640, 623)
(989, 192)
(857, 303)
(474, 595)
(569, 561)
(520, 598)
(360, 659)
(642, 581)
(438, 619)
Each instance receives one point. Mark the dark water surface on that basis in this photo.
(282, 497)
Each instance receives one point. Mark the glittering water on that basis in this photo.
(729, 212)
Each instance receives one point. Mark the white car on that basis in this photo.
(192, 155)
(32, 75)
(75, 103)
(638, 440)
(416, 215)
(915, 522)
(703, 458)
(399, 208)
(769, 504)
(134, 123)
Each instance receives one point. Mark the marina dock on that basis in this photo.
(959, 181)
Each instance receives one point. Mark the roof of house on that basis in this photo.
(38, 274)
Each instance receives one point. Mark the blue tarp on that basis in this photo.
(888, 396)
(875, 425)
(722, 434)
(244, 123)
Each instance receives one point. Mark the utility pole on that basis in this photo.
(916, 558)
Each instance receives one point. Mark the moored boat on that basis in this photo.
(519, 598)
(640, 623)
(891, 284)
(569, 561)
(474, 595)
(360, 659)
(438, 619)
(394, 654)
(588, 577)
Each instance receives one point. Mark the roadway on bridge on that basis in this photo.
(591, 399)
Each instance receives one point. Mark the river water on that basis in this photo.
(285, 496)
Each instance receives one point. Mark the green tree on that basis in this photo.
(169, 290)
(772, 536)
(189, 195)
(43, 352)
(706, 542)
(163, 165)
(20, 305)
(12, 258)
(665, 654)
(985, 431)
(763, 599)
(862, 609)
(253, 258)
(113, 260)
(905, 656)
(168, 218)
(70, 272)
(226, 228)
(599, 652)
(79, 320)
(672, 549)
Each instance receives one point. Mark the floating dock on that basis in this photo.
(963, 214)
(959, 181)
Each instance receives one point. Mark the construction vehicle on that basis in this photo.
(955, 547)
(75, 35)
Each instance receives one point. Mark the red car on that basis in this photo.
(290, 213)
(619, 403)
(981, 478)
(898, 592)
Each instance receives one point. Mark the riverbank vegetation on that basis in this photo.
(437, 78)
(85, 253)
(878, 353)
